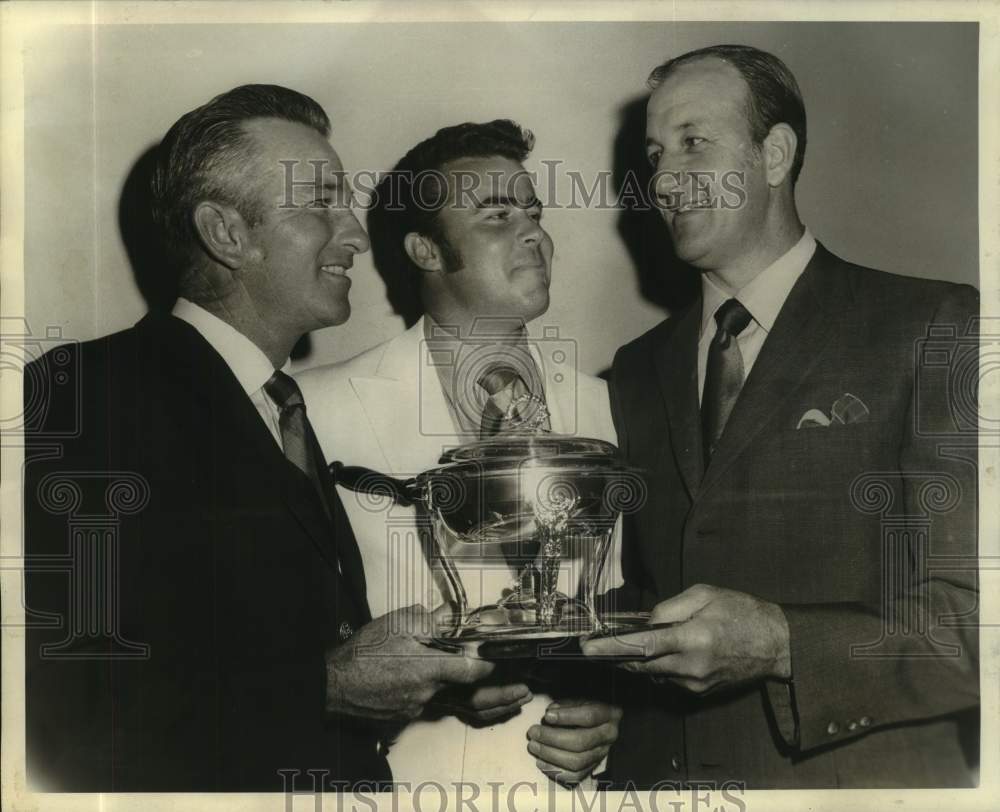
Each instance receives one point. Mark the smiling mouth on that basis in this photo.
(335, 270)
(691, 205)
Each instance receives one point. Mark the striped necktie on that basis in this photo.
(723, 373)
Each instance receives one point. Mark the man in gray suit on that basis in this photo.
(810, 471)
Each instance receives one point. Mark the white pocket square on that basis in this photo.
(846, 409)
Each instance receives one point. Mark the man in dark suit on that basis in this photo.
(807, 428)
(196, 594)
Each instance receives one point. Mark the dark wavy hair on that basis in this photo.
(410, 197)
(773, 97)
(206, 153)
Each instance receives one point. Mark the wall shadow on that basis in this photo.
(147, 254)
(386, 231)
(664, 280)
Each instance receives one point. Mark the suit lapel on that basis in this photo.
(405, 406)
(559, 384)
(236, 432)
(676, 362)
(789, 354)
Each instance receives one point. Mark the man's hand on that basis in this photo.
(383, 673)
(484, 703)
(573, 738)
(721, 639)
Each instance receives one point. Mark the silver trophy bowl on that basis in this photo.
(512, 517)
(523, 524)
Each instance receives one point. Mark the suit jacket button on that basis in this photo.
(852, 725)
(833, 728)
(865, 721)
(345, 631)
(676, 763)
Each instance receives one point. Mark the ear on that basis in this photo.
(223, 233)
(779, 153)
(422, 251)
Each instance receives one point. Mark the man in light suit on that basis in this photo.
(200, 598)
(811, 527)
(481, 266)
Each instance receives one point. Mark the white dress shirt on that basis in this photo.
(244, 358)
(763, 297)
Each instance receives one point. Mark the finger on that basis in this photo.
(492, 696)
(442, 615)
(476, 669)
(683, 606)
(574, 739)
(567, 760)
(645, 644)
(581, 713)
(568, 778)
(463, 670)
(675, 666)
(493, 714)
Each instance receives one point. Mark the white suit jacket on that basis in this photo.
(384, 409)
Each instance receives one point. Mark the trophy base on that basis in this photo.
(512, 641)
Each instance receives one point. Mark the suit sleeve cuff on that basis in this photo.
(780, 696)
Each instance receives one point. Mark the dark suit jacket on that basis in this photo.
(865, 535)
(189, 647)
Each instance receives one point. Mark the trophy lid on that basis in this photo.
(518, 447)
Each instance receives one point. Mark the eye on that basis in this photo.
(653, 156)
(693, 141)
(332, 201)
(498, 214)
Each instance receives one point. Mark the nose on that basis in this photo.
(352, 235)
(532, 232)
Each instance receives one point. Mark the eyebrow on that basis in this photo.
(502, 200)
(687, 125)
(337, 184)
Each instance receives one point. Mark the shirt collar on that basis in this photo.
(458, 357)
(244, 358)
(765, 294)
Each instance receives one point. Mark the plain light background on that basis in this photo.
(890, 177)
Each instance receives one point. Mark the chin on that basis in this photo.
(337, 315)
(536, 306)
(692, 253)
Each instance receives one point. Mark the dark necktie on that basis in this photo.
(297, 437)
(510, 405)
(723, 373)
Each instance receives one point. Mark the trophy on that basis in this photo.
(523, 524)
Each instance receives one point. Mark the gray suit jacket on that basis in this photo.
(864, 533)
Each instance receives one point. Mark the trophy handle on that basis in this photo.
(404, 492)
